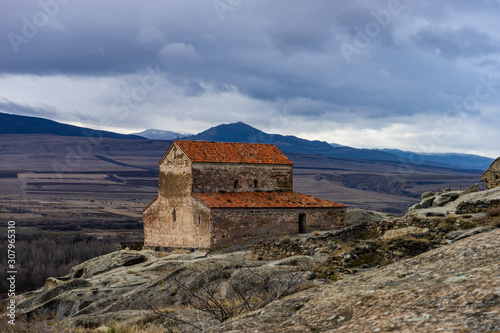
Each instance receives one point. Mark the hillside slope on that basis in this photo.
(14, 124)
(453, 160)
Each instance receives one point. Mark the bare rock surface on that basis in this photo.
(123, 286)
(357, 215)
(454, 288)
(398, 233)
(449, 202)
(461, 234)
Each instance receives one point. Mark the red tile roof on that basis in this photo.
(231, 152)
(263, 200)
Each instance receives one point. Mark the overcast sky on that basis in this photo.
(414, 75)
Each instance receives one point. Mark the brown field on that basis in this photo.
(375, 185)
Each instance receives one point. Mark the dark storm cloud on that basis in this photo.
(406, 60)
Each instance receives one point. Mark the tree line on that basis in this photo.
(50, 255)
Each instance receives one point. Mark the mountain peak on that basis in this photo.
(156, 134)
(241, 132)
(233, 132)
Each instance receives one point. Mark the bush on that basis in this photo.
(493, 212)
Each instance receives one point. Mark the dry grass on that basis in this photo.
(493, 212)
(47, 324)
(495, 223)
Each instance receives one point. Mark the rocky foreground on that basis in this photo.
(455, 288)
(437, 269)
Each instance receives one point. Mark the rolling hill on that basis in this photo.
(462, 161)
(14, 124)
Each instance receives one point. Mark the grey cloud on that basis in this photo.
(464, 42)
(44, 111)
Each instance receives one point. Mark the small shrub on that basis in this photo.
(284, 239)
(493, 212)
(496, 224)
(466, 224)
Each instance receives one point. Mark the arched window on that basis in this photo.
(255, 183)
(236, 184)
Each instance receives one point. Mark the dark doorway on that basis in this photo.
(302, 223)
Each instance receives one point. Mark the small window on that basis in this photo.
(236, 184)
(255, 183)
(199, 219)
(174, 217)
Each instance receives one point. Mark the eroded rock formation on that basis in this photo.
(492, 176)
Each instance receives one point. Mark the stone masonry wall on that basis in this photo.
(476, 206)
(175, 176)
(222, 177)
(235, 225)
(191, 228)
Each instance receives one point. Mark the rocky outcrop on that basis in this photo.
(440, 204)
(492, 175)
(125, 285)
(451, 289)
(105, 263)
(461, 234)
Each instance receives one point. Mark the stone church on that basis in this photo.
(213, 194)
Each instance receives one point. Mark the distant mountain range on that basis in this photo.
(241, 132)
(14, 124)
(156, 134)
(465, 161)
